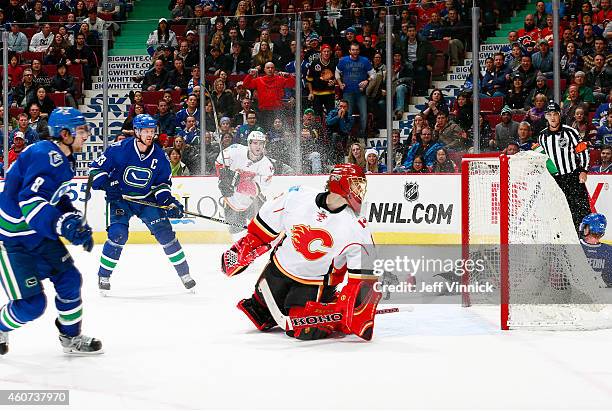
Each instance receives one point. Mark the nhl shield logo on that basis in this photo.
(411, 191)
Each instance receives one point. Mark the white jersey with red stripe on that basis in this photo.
(253, 176)
(319, 245)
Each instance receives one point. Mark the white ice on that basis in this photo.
(168, 348)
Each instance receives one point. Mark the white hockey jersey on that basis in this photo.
(252, 176)
(319, 246)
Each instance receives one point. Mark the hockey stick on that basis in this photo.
(217, 134)
(87, 196)
(163, 207)
(290, 323)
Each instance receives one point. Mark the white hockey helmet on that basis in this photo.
(256, 136)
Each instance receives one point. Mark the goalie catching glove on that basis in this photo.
(242, 254)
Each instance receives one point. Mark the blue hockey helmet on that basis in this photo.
(596, 222)
(144, 121)
(67, 118)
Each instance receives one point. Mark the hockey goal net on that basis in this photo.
(516, 220)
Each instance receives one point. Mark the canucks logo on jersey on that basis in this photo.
(137, 176)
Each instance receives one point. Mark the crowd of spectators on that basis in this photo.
(54, 48)
(250, 70)
(249, 80)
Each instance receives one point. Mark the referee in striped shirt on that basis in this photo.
(559, 143)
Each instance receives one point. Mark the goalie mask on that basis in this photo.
(348, 181)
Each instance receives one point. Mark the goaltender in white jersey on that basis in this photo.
(322, 239)
(320, 245)
(244, 172)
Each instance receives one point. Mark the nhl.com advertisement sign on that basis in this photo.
(424, 204)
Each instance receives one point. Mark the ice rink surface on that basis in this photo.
(166, 348)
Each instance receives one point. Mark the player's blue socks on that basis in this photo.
(18, 312)
(109, 258)
(174, 251)
(69, 316)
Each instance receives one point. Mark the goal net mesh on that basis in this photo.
(550, 283)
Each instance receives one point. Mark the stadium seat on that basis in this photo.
(151, 109)
(152, 97)
(29, 32)
(28, 56)
(59, 99)
(550, 84)
(493, 120)
(594, 156)
(15, 111)
(491, 104)
(179, 29)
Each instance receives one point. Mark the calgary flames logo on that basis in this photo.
(304, 240)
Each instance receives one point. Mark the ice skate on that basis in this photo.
(103, 285)
(3, 342)
(81, 345)
(188, 282)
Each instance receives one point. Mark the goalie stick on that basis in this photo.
(290, 323)
(151, 204)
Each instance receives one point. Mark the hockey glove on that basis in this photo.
(113, 192)
(226, 181)
(71, 227)
(242, 254)
(175, 210)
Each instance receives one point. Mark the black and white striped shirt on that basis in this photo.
(560, 147)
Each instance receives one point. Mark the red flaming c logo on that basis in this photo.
(303, 236)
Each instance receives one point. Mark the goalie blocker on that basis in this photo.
(323, 240)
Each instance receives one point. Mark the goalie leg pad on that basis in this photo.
(315, 321)
(359, 301)
(257, 312)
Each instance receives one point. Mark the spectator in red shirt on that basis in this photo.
(17, 147)
(270, 90)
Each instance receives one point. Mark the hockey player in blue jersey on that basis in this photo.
(35, 211)
(137, 168)
(599, 255)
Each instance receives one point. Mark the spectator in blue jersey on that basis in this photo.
(524, 137)
(190, 110)
(434, 30)
(29, 134)
(339, 124)
(543, 60)
(372, 164)
(602, 111)
(353, 74)
(191, 132)
(426, 149)
(243, 131)
(165, 118)
(494, 82)
(604, 132)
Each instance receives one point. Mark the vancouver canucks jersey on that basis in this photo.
(33, 196)
(600, 259)
(139, 175)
